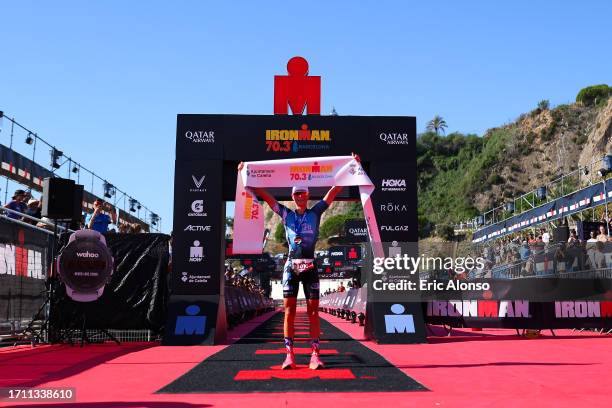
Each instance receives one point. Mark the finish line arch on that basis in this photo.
(208, 149)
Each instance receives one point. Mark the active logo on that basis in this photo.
(190, 324)
(200, 136)
(197, 209)
(393, 138)
(294, 140)
(393, 185)
(196, 252)
(399, 322)
(198, 228)
(198, 183)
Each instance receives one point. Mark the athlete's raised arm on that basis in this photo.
(333, 192)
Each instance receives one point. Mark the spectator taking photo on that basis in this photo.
(98, 220)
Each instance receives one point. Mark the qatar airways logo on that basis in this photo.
(200, 136)
(87, 254)
(394, 138)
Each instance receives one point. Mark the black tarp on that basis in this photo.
(137, 294)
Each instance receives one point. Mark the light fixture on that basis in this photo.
(109, 190)
(55, 155)
(154, 218)
(138, 206)
(29, 140)
(75, 169)
(510, 206)
(1, 114)
(132, 204)
(541, 193)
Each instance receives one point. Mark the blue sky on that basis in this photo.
(103, 81)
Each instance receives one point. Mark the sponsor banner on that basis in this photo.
(24, 261)
(310, 172)
(261, 137)
(588, 197)
(198, 228)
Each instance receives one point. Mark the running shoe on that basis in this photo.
(315, 362)
(289, 362)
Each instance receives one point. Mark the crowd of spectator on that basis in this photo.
(535, 253)
(242, 278)
(103, 219)
(354, 283)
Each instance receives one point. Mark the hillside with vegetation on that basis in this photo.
(460, 176)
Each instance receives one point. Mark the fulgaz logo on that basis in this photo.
(287, 140)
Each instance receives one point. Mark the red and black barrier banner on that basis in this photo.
(208, 149)
(517, 304)
(24, 261)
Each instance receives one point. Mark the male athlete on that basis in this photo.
(302, 232)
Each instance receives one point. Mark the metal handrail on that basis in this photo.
(25, 224)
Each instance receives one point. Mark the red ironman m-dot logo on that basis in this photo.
(297, 90)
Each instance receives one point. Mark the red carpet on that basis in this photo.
(492, 368)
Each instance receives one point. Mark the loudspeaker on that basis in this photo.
(60, 197)
(560, 234)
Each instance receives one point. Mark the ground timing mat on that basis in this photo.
(253, 364)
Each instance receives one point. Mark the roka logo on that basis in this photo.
(87, 254)
(391, 207)
(393, 185)
(197, 208)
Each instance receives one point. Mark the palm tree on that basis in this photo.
(437, 124)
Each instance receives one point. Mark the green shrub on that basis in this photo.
(279, 233)
(495, 179)
(445, 232)
(334, 225)
(544, 104)
(593, 94)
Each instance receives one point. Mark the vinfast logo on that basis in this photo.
(392, 138)
(391, 207)
(310, 172)
(198, 228)
(393, 185)
(394, 228)
(479, 308)
(295, 140)
(200, 136)
(87, 254)
(197, 209)
(251, 207)
(198, 183)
